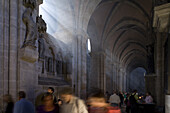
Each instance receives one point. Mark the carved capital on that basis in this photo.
(162, 17)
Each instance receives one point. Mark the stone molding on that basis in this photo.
(151, 75)
(162, 17)
(52, 81)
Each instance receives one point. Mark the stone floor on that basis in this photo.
(123, 108)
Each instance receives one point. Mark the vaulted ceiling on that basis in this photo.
(123, 27)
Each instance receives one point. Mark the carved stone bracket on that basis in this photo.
(29, 54)
(162, 17)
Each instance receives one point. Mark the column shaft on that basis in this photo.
(159, 68)
(13, 47)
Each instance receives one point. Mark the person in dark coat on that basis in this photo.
(10, 103)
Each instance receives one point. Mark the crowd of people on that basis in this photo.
(132, 101)
(97, 102)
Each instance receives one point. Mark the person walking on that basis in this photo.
(51, 91)
(48, 105)
(23, 105)
(114, 100)
(133, 102)
(71, 103)
(148, 98)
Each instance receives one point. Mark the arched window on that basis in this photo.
(88, 46)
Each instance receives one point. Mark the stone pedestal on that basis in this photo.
(167, 103)
(29, 54)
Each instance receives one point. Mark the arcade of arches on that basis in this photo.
(45, 43)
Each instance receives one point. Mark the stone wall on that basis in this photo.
(22, 62)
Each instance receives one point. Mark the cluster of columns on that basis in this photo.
(106, 74)
(79, 75)
(161, 23)
(9, 38)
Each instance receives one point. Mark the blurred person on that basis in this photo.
(51, 90)
(60, 102)
(107, 95)
(10, 103)
(121, 98)
(148, 98)
(114, 100)
(23, 105)
(48, 104)
(39, 97)
(71, 104)
(124, 96)
(38, 100)
(97, 103)
(133, 102)
(127, 103)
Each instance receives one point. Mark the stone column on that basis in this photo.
(117, 76)
(121, 79)
(13, 57)
(114, 77)
(161, 22)
(159, 86)
(84, 67)
(168, 82)
(124, 81)
(97, 70)
(167, 96)
(150, 81)
(4, 50)
(1, 48)
(80, 76)
(81, 68)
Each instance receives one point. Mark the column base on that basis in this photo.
(167, 103)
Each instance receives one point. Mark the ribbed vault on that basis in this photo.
(122, 27)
